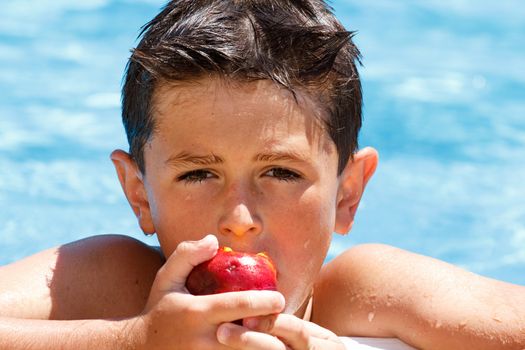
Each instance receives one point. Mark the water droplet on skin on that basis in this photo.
(371, 316)
(306, 244)
(389, 298)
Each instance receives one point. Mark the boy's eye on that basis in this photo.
(283, 174)
(195, 176)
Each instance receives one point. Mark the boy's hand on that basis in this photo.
(175, 319)
(278, 332)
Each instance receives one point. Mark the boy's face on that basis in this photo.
(249, 164)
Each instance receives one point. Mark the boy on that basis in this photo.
(242, 119)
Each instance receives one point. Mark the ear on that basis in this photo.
(352, 184)
(131, 180)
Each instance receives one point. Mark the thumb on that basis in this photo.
(172, 276)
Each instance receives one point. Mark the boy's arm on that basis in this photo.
(98, 277)
(381, 291)
(78, 335)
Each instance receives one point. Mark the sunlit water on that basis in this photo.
(444, 85)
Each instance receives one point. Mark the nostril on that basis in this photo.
(226, 230)
(253, 230)
(239, 230)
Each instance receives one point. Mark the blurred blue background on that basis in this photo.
(444, 89)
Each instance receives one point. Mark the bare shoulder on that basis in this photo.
(350, 291)
(96, 277)
(379, 290)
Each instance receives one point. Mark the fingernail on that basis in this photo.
(223, 333)
(251, 323)
(280, 302)
(208, 239)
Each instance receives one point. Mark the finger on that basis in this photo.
(297, 333)
(238, 337)
(173, 274)
(227, 307)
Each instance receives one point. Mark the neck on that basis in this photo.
(305, 310)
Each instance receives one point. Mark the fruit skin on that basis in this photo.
(231, 271)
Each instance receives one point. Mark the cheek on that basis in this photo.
(303, 235)
(180, 218)
(310, 215)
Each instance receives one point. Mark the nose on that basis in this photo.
(239, 218)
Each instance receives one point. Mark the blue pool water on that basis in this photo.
(444, 85)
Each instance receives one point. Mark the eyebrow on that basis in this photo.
(185, 158)
(276, 156)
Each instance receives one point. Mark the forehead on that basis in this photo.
(237, 102)
(214, 88)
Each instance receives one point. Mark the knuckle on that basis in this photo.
(184, 248)
(246, 301)
(303, 334)
(193, 313)
(195, 309)
(266, 323)
(163, 273)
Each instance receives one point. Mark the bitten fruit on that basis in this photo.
(230, 271)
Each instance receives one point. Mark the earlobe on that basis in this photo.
(132, 183)
(353, 181)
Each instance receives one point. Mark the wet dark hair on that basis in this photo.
(298, 44)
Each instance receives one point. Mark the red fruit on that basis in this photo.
(230, 271)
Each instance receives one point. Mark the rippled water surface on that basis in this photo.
(444, 85)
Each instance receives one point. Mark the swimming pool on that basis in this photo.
(443, 85)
